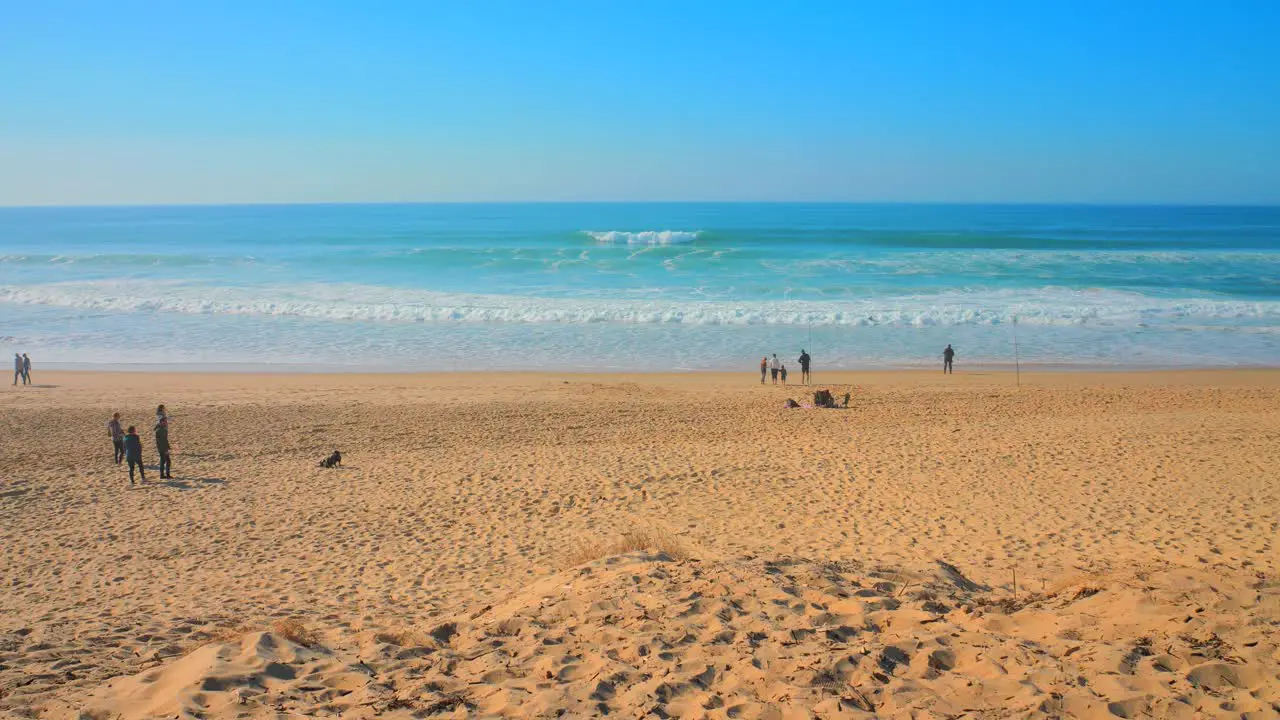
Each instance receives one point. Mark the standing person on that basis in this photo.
(26, 369)
(764, 368)
(783, 373)
(17, 368)
(947, 356)
(162, 447)
(773, 366)
(804, 366)
(133, 453)
(161, 414)
(117, 436)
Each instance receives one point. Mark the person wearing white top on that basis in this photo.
(773, 367)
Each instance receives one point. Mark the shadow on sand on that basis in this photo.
(180, 483)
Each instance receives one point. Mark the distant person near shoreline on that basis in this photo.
(17, 370)
(805, 378)
(764, 368)
(947, 356)
(26, 369)
(773, 367)
(783, 372)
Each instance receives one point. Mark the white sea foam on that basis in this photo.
(645, 237)
(1044, 306)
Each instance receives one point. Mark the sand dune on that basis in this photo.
(833, 563)
(646, 634)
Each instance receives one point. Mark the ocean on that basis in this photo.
(646, 287)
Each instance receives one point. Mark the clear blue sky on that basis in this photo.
(283, 101)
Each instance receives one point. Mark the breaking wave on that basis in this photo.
(1044, 306)
(645, 237)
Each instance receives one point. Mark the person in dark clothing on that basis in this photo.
(804, 367)
(133, 453)
(26, 369)
(17, 368)
(162, 447)
(947, 356)
(117, 437)
(764, 368)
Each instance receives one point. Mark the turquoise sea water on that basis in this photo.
(640, 286)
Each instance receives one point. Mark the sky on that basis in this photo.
(158, 102)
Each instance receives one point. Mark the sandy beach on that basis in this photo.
(526, 545)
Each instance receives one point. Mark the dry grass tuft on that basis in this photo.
(659, 542)
(222, 634)
(403, 637)
(296, 631)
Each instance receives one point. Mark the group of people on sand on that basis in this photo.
(127, 445)
(779, 370)
(21, 369)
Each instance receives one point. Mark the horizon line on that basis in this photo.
(400, 203)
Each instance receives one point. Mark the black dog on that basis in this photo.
(333, 460)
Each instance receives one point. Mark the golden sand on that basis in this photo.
(774, 563)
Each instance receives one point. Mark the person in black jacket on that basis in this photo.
(133, 453)
(162, 447)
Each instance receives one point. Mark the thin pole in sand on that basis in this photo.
(810, 344)
(1017, 363)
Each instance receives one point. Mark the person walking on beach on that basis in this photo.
(764, 368)
(947, 356)
(133, 453)
(162, 446)
(17, 369)
(773, 366)
(804, 367)
(117, 437)
(26, 369)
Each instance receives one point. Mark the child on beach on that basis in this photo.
(783, 373)
(133, 453)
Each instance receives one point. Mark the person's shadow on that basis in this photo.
(186, 483)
